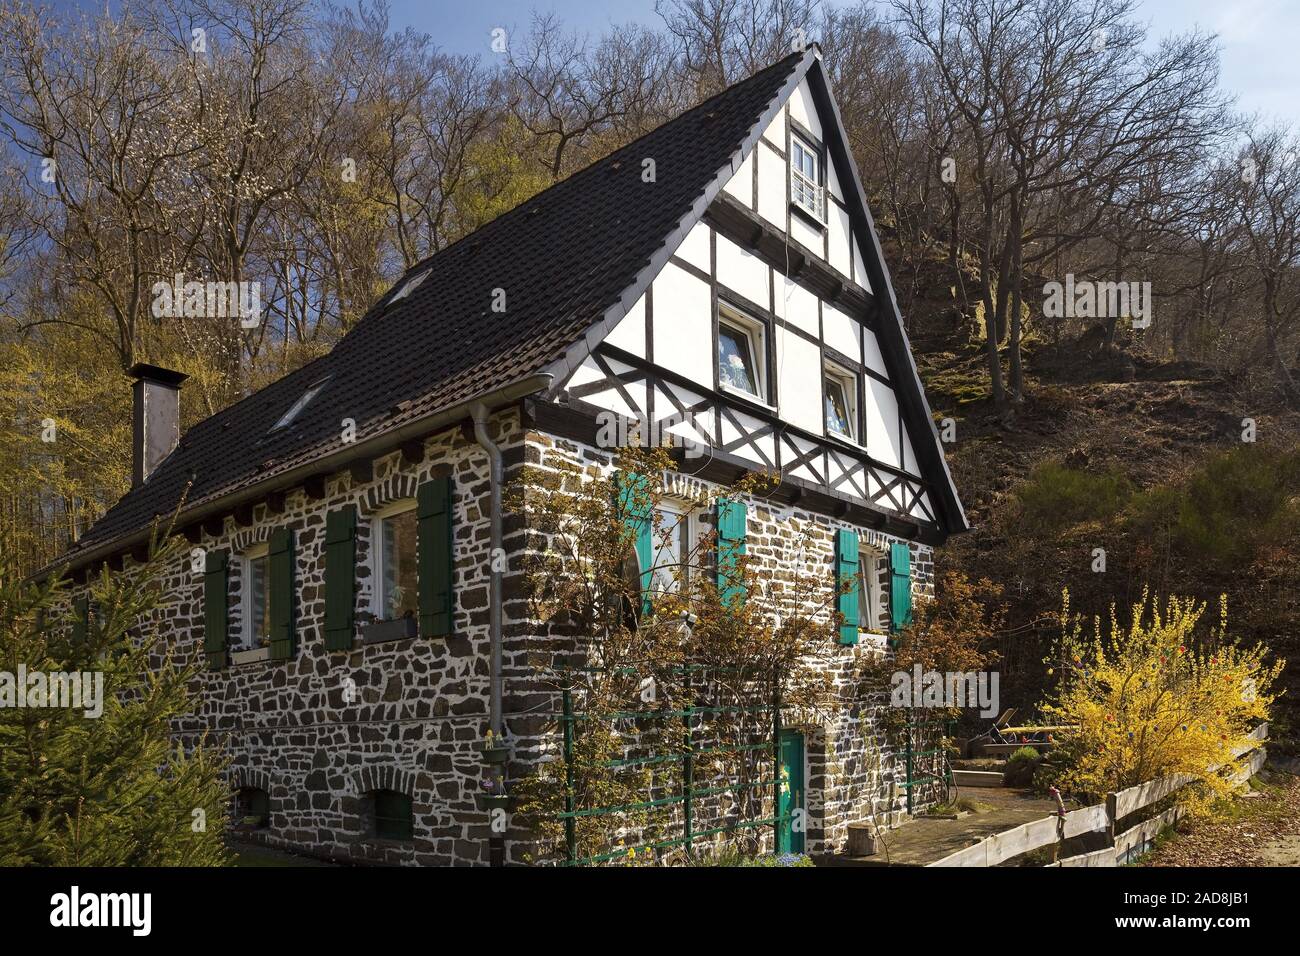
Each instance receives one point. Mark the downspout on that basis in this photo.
(496, 471)
(479, 413)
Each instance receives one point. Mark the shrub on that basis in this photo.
(1019, 771)
(113, 788)
(1055, 497)
(1157, 697)
(1235, 503)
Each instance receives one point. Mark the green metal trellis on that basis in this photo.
(689, 793)
(939, 770)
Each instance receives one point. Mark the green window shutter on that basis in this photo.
(281, 595)
(634, 510)
(216, 619)
(731, 545)
(900, 586)
(340, 578)
(80, 620)
(846, 574)
(434, 559)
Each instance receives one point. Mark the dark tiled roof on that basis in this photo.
(562, 258)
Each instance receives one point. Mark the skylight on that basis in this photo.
(287, 418)
(409, 286)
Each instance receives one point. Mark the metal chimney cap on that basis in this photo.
(143, 371)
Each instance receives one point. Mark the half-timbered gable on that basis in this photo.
(767, 329)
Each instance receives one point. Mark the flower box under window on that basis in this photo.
(397, 630)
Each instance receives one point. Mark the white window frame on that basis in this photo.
(870, 563)
(302, 402)
(246, 560)
(850, 382)
(801, 185)
(755, 332)
(401, 506)
(687, 521)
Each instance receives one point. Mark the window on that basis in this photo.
(675, 531)
(252, 807)
(287, 418)
(841, 398)
(256, 609)
(390, 815)
(741, 353)
(870, 563)
(396, 593)
(805, 177)
(409, 286)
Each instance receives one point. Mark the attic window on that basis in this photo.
(741, 353)
(806, 190)
(841, 397)
(287, 418)
(409, 286)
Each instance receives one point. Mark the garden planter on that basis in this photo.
(494, 801)
(495, 753)
(380, 631)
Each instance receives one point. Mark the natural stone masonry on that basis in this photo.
(321, 730)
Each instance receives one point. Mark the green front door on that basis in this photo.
(791, 809)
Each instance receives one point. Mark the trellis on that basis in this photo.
(699, 683)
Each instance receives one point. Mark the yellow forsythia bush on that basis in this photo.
(1163, 695)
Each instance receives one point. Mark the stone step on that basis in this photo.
(977, 778)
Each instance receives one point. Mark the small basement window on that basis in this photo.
(256, 609)
(741, 353)
(806, 189)
(841, 397)
(391, 817)
(287, 418)
(252, 807)
(396, 593)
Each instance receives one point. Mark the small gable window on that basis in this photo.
(390, 815)
(841, 398)
(741, 353)
(255, 608)
(805, 177)
(396, 593)
(303, 400)
(409, 286)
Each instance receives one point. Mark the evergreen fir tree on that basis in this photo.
(114, 789)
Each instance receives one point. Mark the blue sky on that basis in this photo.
(1260, 39)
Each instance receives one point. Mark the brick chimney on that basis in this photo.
(155, 417)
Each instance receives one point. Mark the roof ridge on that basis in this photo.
(510, 213)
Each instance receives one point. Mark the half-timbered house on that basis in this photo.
(721, 274)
